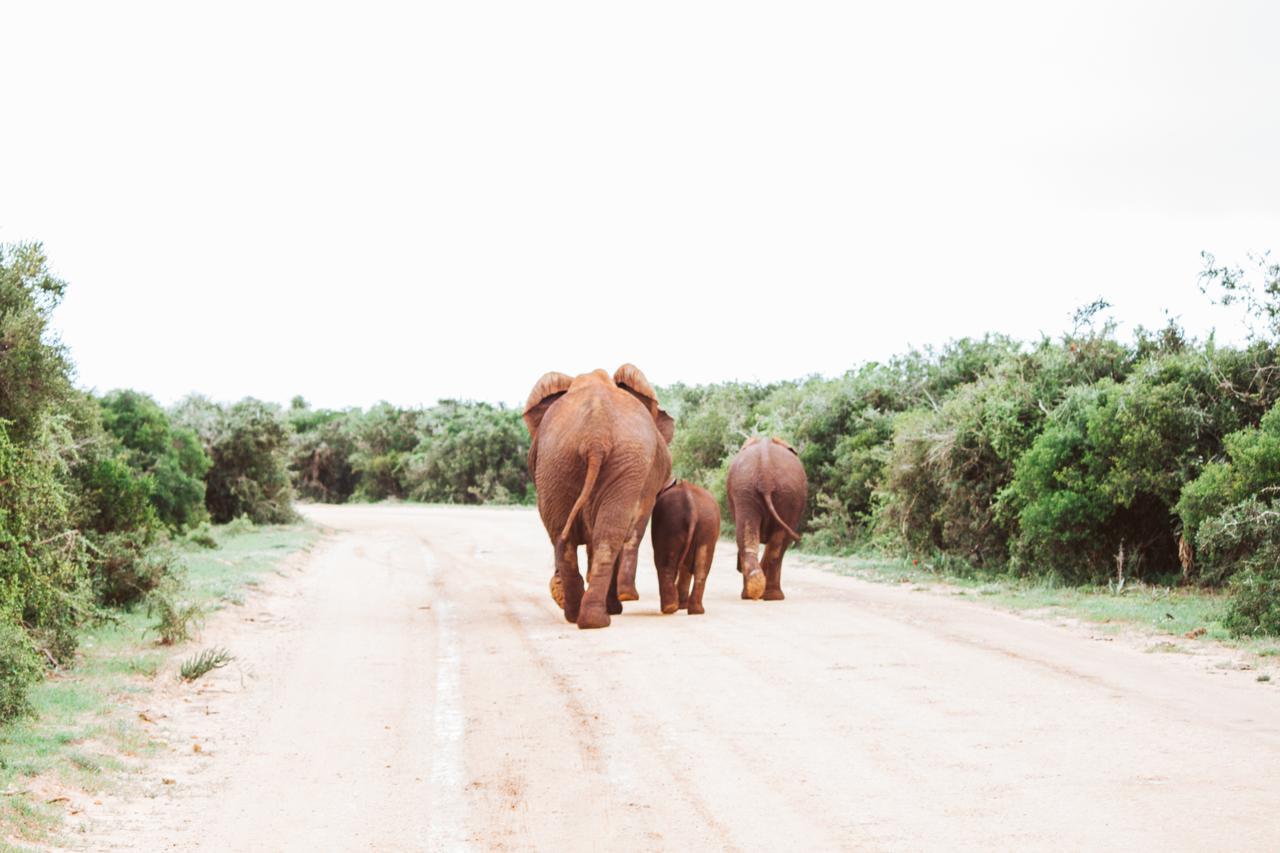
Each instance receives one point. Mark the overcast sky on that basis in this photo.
(416, 201)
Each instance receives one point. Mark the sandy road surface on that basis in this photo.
(413, 688)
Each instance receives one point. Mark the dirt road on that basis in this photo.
(413, 687)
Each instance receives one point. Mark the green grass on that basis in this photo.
(84, 733)
(1157, 609)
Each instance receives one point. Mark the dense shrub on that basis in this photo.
(453, 452)
(87, 486)
(172, 459)
(1103, 477)
(248, 443)
(386, 436)
(1253, 468)
(127, 566)
(34, 368)
(44, 566)
(323, 445)
(1242, 543)
(20, 667)
(470, 453)
(1255, 598)
(114, 496)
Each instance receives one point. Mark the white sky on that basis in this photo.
(416, 201)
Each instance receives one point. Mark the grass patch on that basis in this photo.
(83, 732)
(1160, 610)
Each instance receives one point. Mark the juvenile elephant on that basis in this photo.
(767, 492)
(598, 456)
(684, 530)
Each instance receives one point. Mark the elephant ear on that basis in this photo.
(551, 387)
(782, 443)
(631, 379)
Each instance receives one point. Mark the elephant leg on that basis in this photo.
(701, 568)
(613, 604)
(627, 567)
(595, 607)
(570, 581)
(682, 585)
(557, 588)
(667, 588)
(753, 581)
(773, 551)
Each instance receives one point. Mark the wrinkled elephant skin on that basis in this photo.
(598, 456)
(684, 530)
(767, 490)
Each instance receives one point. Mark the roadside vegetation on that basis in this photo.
(83, 731)
(1085, 462)
(98, 494)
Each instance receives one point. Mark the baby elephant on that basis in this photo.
(686, 525)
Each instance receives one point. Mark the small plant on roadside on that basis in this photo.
(239, 525)
(176, 619)
(205, 662)
(202, 536)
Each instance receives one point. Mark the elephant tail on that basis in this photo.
(595, 458)
(768, 501)
(693, 526)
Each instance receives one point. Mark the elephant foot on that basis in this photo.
(774, 594)
(557, 590)
(696, 610)
(613, 608)
(753, 585)
(669, 607)
(628, 595)
(593, 617)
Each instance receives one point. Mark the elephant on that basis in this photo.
(685, 528)
(598, 456)
(767, 491)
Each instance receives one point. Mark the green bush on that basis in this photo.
(1255, 600)
(1253, 469)
(34, 368)
(114, 497)
(248, 443)
(1242, 544)
(323, 446)
(172, 459)
(386, 436)
(126, 567)
(44, 564)
(20, 668)
(470, 453)
(453, 452)
(1104, 476)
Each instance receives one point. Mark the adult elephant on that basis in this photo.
(767, 491)
(598, 456)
